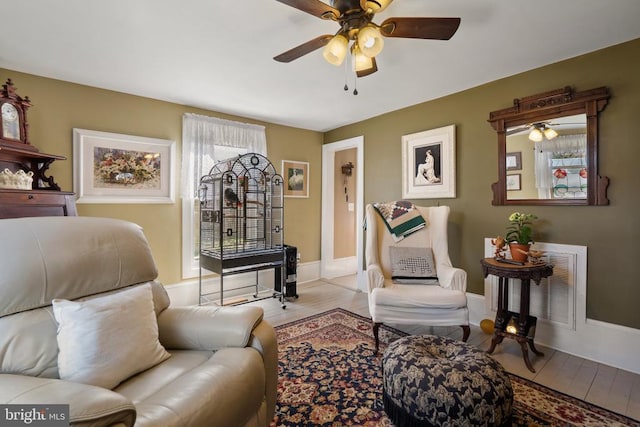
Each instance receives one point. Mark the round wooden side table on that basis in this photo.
(519, 326)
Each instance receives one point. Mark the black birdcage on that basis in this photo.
(241, 217)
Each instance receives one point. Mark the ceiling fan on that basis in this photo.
(545, 129)
(355, 18)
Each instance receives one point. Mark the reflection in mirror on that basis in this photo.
(550, 158)
(548, 149)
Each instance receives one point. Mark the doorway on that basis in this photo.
(342, 210)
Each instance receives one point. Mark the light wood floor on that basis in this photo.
(602, 385)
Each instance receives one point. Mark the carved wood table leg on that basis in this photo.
(534, 349)
(525, 355)
(499, 325)
(525, 289)
(497, 339)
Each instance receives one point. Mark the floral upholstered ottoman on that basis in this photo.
(434, 381)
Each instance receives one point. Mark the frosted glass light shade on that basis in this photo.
(549, 133)
(535, 135)
(370, 41)
(362, 64)
(336, 50)
(376, 6)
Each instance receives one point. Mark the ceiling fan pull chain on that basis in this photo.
(346, 74)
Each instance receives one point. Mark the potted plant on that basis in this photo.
(519, 235)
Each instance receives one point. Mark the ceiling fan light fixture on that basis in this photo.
(357, 26)
(375, 6)
(535, 135)
(370, 40)
(362, 64)
(336, 50)
(549, 133)
(372, 69)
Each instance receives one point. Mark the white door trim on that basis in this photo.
(330, 267)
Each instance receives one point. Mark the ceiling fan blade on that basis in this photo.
(420, 28)
(517, 129)
(314, 7)
(303, 49)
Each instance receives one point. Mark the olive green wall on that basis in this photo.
(609, 232)
(58, 107)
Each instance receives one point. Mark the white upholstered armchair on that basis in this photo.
(439, 300)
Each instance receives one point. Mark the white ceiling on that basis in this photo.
(217, 54)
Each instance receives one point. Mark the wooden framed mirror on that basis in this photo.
(548, 149)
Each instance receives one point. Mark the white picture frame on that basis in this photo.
(429, 164)
(115, 168)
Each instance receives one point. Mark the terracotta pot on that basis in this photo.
(516, 253)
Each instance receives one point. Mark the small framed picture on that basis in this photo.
(296, 178)
(429, 164)
(514, 161)
(513, 182)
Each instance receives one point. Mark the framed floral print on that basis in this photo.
(115, 168)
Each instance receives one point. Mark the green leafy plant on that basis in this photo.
(520, 230)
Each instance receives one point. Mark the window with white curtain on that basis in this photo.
(561, 167)
(205, 141)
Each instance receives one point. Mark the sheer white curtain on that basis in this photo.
(562, 147)
(200, 137)
(203, 140)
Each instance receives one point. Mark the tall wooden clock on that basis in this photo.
(13, 126)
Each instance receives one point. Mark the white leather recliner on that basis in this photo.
(222, 369)
(441, 302)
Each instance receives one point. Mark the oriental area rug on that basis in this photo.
(330, 376)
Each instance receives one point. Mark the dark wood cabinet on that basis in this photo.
(16, 153)
(22, 203)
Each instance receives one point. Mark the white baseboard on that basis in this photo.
(308, 271)
(602, 342)
(338, 267)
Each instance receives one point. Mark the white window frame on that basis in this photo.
(223, 139)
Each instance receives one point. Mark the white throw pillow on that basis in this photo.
(412, 265)
(105, 340)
